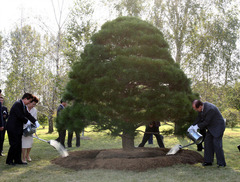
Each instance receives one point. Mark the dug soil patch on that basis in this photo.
(139, 159)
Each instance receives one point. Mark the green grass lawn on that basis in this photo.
(41, 169)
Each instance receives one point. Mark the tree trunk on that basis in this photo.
(50, 122)
(127, 141)
(177, 128)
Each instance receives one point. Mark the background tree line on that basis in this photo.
(202, 35)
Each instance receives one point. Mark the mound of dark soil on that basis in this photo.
(139, 159)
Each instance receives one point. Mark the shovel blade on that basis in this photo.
(174, 149)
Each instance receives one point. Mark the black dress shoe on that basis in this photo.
(206, 164)
(221, 165)
(10, 163)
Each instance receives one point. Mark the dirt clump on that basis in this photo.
(139, 159)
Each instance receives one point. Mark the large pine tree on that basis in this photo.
(125, 78)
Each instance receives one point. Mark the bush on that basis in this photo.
(167, 132)
(232, 117)
(42, 119)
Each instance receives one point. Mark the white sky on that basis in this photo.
(12, 11)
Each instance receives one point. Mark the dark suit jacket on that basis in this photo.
(17, 117)
(154, 128)
(211, 119)
(60, 107)
(5, 115)
(1, 117)
(61, 129)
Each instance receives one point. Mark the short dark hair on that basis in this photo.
(27, 96)
(62, 100)
(197, 103)
(35, 99)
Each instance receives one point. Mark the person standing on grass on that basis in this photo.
(17, 117)
(4, 113)
(27, 141)
(213, 121)
(61, 132)
(70, 136)
(1, 118)
(152, 128)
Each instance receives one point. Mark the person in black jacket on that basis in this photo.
(62, 131)
(152, 128)
(212, 120)
(4, 113)
(2, 127)
(1, 117)
(17, 117)
(70, 136)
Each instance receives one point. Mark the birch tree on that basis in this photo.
(26, 63)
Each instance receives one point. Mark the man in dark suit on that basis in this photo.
(152, 128)
(17, 117)
(1, 122)
(4, 113)
(1, 117)
(61, 132)
(213, 121)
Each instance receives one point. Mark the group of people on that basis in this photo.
(27, 141)
(62, 132)
(210, 124)
(23, 113)
(18, 118)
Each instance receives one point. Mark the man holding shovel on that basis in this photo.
(152, 128)
(213, 121)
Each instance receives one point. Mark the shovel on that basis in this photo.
(62, 151)
(176, 148)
